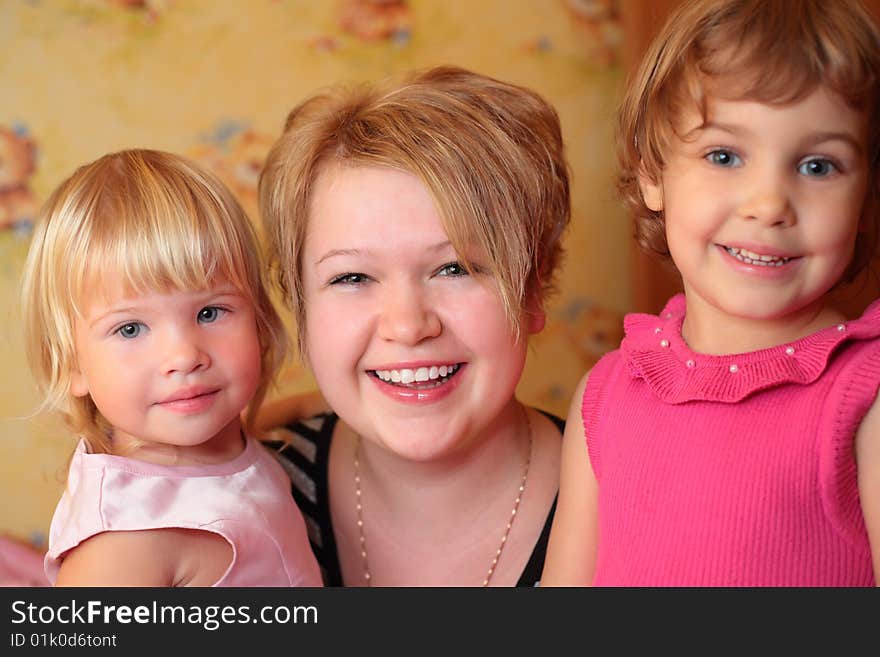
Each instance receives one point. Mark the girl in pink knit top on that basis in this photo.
(734, 440)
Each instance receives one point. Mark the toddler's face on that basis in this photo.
(408, 348)
(762, 203)
(173, 368)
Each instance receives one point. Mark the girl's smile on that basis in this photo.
(762, 262)
(190, 400)
(169, 368)
(762, 205)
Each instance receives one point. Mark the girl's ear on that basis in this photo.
(870, 205)
(652, 192)
(79, 387)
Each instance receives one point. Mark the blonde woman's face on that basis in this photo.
(412, 351)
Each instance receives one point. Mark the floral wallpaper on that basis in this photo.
(214, 79)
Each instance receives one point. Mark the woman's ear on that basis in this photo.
(652, 191)
(536, 318)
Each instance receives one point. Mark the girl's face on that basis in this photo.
(413, 352)
(173, 368)
(762, 203)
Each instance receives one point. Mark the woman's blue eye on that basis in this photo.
(209, 314)
(724, 158)
(349, 279)
(130, 330)
(452, 269)
(817, 168)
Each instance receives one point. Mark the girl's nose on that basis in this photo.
(407, 316)
(183, 354)
(767, 199)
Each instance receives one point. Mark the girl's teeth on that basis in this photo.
(752, 258)
(419, 375)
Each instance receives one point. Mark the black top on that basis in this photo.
(305, 456)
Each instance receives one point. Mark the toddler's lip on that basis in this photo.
(190, 392)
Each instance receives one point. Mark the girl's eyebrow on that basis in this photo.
(715, 125)
(812, 139)
(206, 296)
(846, 137)
(112, 311)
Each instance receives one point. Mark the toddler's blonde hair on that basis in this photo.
(155, 222)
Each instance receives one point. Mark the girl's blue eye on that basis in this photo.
(130, 330)
(723, 158)
(817, 168)
(452, 269)
(349, 279)
(209, 314)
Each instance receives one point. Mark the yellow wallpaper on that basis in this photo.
(214, 79)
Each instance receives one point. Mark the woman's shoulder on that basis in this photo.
(557, 421)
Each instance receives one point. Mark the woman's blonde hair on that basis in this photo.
(489, 152)
(154, 221)
(770, 51)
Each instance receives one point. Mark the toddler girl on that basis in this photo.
(149, 328)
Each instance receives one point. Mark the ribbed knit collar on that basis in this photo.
(655, 351)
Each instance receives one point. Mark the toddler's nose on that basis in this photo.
(183, 354)
(766, 199)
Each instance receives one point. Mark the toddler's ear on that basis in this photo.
(652, 192)
(79, 387)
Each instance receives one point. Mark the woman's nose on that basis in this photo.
(407, 316)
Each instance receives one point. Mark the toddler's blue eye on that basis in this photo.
(209, 314)
(817, 168)
(724, 158)
(130, 330)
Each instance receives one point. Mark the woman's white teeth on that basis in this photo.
(752, 258)
(419, 375)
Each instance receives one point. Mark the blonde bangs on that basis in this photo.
(148, 221)
(162, 233)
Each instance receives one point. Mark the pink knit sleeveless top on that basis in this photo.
(731, 470)
(247, 501)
